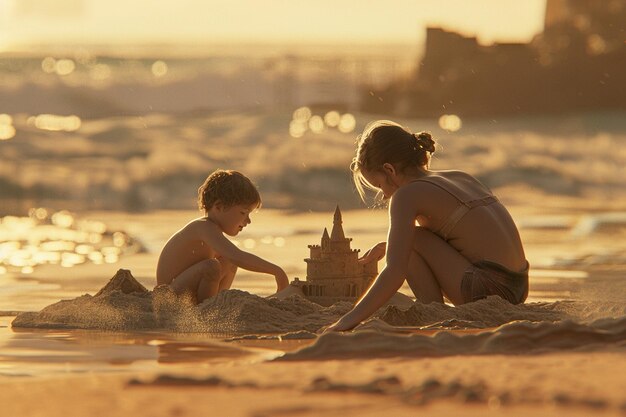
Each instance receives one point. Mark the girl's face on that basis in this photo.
(233, 219)
(380, 180)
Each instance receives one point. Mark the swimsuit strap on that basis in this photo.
(463, 208)
(452, 220)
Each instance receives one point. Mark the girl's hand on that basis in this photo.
(338, 326)
(376, 253)
(282, 281)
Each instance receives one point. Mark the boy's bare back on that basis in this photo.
(184, 249)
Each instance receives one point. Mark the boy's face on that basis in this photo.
(232, 219)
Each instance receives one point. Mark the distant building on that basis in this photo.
(577, 64)
(333, 271)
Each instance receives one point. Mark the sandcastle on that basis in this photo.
(333, 271)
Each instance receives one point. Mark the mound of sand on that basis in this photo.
(123, 304)
(512, 338)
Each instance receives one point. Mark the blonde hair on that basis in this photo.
(230, 188)
(384, 141)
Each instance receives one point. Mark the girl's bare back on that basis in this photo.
(484, 232)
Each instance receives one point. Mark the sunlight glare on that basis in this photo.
(7, 131)
(297, 128)
(39, 213)
(64, 66)
(596, 45)
(347, 123)
(62, 218)
(332, 118)
(316, 124)
(159, 69)
(450, 122)
(48, 65)
(6, 119)
(267, 239)
(302, 114)
(55, 122)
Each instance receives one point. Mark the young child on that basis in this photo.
(198, 260)
(465, 246)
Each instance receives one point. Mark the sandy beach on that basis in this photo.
(112, 114)
(242, 354)
(566, 355)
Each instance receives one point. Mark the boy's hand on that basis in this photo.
(375, 254)
(282, 281)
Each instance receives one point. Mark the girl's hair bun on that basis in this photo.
(425, 141)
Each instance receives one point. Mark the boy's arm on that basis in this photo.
(213, 236)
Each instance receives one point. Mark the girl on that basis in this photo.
(466, 245)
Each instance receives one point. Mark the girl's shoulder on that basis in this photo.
(453, 177)
(450, 174)
(442, 179)
(461, 182)
(442, 184)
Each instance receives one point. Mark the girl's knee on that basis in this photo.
(423, 238)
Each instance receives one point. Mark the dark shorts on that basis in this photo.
(489, 278)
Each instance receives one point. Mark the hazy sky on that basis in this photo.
(342, 21)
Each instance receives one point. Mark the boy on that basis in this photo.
(198, 260)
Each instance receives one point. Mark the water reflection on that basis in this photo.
(304, 120)
(58, 238)
(44, 352)
(7, 130)
(55, 122)
(63, 66)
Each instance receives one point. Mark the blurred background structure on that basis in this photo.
(576, 64)
(130, 111)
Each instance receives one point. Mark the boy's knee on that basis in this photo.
(227, 267)
(210, 269)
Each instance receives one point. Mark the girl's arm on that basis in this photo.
(402, 214)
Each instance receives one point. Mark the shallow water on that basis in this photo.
(39, 353)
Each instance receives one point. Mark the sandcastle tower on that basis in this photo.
(333, 271)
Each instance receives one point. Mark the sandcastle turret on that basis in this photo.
(333, 270)
(325, 239)
(337, 233)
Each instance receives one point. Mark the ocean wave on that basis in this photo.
(157, 161)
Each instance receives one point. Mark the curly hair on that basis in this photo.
(228, 187)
